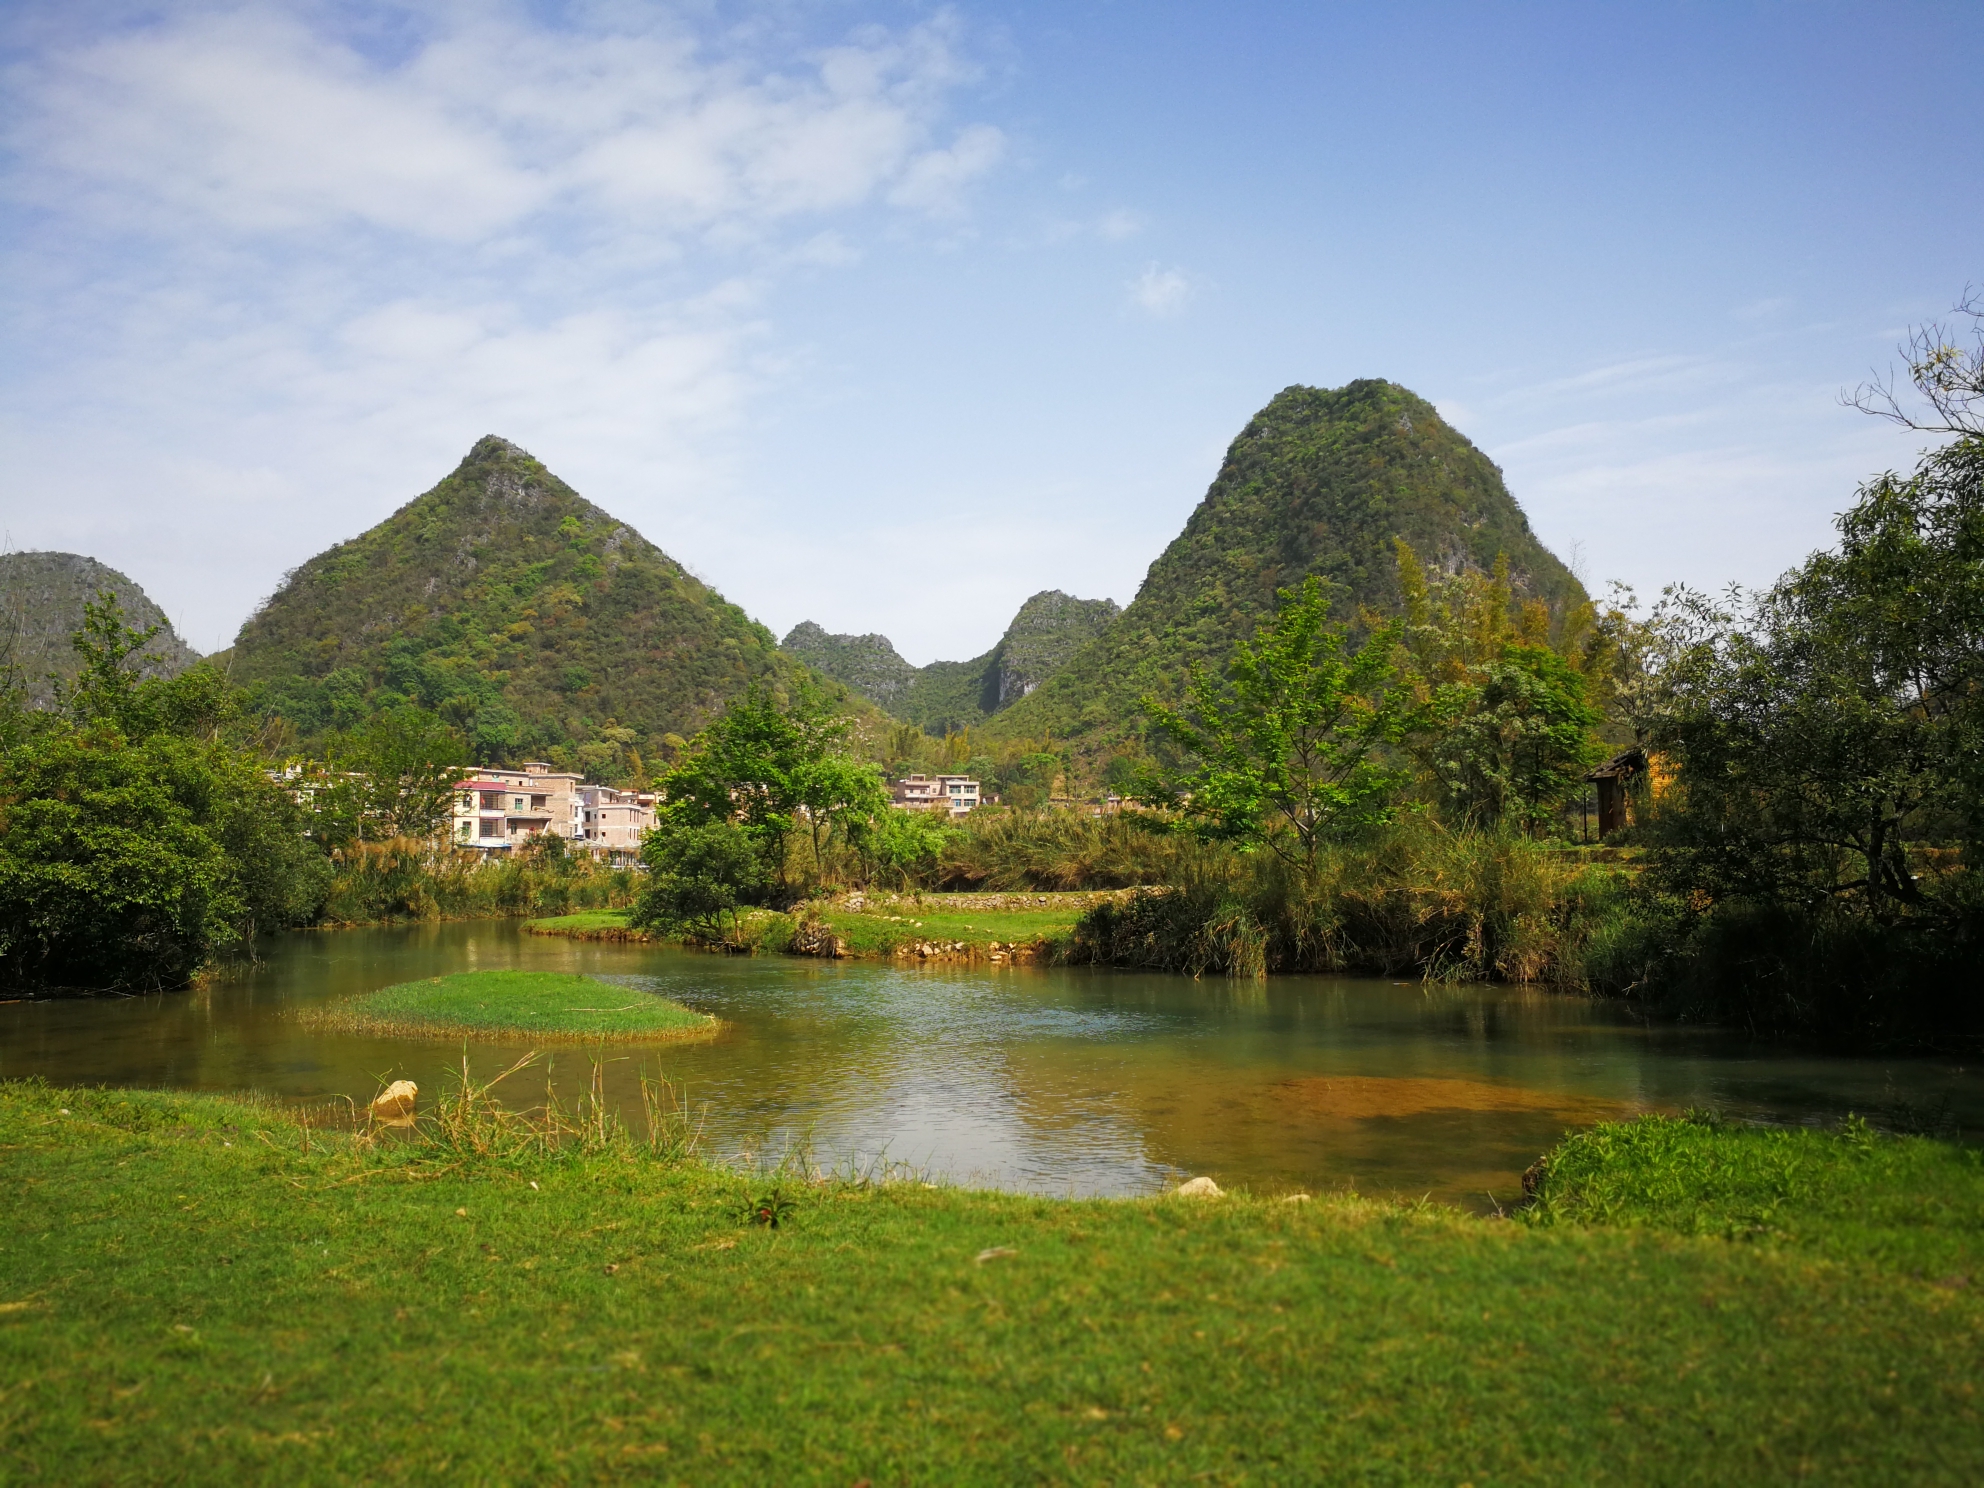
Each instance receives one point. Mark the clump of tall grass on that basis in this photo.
(469, 1120)
(407, 878)
(1418, 899)
(1055, 850)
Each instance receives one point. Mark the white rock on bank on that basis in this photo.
(395, 1102)
(1198, 1188)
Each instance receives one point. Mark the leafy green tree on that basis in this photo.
(774, 770)
(698, 876)
(135, 843)
(1823, 726)
(905, 845)
(1297, 749)
(391, 776)
(1518, 740)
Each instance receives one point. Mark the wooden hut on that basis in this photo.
(1613, 779)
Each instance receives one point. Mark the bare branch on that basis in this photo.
(1945, 372)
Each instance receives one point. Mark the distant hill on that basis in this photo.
(537, 623)
(949, 695)
(868, 664)
(41, 606)
(1321, 481)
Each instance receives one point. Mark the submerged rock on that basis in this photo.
(395, 1102)
(1198, 1188)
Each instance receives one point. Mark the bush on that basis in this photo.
(128, 866)
(698, 876)
(1415, 899)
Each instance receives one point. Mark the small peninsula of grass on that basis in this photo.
(518, 1006)
(954, 926)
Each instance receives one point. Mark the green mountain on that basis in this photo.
(868, 664)
(41, 606)
(946, 696)
(537, 623)
(1321, 481)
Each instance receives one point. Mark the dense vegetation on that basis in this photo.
(1320, 482)
(505, 1296)
(140, 834)
(948, 697)
(529, 620)
(517, 1006)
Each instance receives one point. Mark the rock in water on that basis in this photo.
(1198, 1188)
(395, 1102)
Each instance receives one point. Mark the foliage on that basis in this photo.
(391, 775)
(1320, 483)
(1824, 739)
(422, 879)
(210, 1242)
(136, 841)
(1290, 754)
(1519, 741)
(1414, 899)
(903, 848)
(528, 619)
(698, 876)
(775, 770)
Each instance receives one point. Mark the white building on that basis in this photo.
(496, 810)
(612, 822)
(954, 793)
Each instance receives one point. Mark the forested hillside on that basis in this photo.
(947, 696)
(524, 615)
(41, 606)
(1323, 482)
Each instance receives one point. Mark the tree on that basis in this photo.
(1518, 740)
(773, 769)
(1819, 727)
(697, 876)
(137, 839)
(1294, 750)
(393, 775)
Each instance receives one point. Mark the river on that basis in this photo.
(1050, 1081)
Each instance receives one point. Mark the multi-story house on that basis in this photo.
(496, 810)
(612, 822)
(954, 793)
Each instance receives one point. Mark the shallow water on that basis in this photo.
(1052, 1081)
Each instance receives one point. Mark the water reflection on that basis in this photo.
(1050, 1081)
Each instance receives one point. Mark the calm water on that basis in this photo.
(1085, 1082)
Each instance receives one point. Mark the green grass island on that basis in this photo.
(518, 1007)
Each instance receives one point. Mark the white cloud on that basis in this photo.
(1159, 291)
(273, 282)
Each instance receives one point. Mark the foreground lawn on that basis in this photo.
(522, 1005)
(194, 1292)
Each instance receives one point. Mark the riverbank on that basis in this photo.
(988, 928)
(200, 1287)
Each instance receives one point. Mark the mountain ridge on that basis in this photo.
(532, 619)
(947, 696)
(41, 606)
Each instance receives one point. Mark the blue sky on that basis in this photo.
(888, 316)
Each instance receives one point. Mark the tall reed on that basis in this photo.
(407, 878)
(1419, 900)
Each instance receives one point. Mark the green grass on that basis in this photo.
(868, 934)
(197, 1289)
(862, 933)
(519, 1006)
(592, 924)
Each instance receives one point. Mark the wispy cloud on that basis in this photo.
(296, 272)
(1160, 291)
